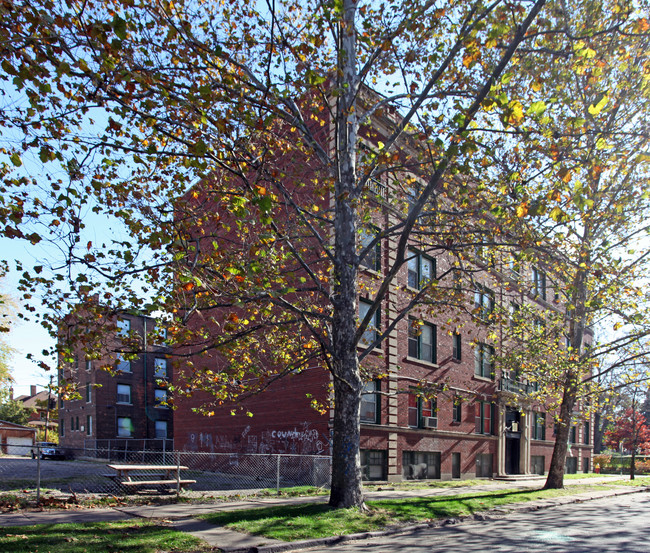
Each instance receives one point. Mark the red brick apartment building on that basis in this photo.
(126, 404)
(475, 422)
(479, 423)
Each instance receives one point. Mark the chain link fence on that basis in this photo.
(124, 471)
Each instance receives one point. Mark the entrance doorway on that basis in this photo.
(513, 453)
(513, 441)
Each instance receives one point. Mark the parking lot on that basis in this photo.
(219, 473)
(77, 476)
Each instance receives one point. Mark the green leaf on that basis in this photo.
(537, 108)
(199, 148)
(119, 26)
(15, 159)
(315, 78)
(264, 203)
(8, 67)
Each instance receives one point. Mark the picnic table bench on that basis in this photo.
(143, 476)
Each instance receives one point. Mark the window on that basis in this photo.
(418, 465)
(160, 368)
(370, 403)
(483, 302)
(485, 254)
(160, 398)
(571, 465)
(124, 393)
(71, 424)
(484, 464)
(161, 430)
(89, 365)
(539, 283)
(122, 364)
(484, 417)
(422, 412)
(585, 433)
(457, 410)
(124, 427)
(422, 341)
(372, 259)
(457, 352)
(539, 426)
(513, 312)
(421, 270)
(373, 464)
(62, 428)
(123, 327)
(77, 423)
(89, 392)
(160, 335)
(89, 425)
(514, 264)
(372, 331)
(455, 464)
(483, 365)
(572, 435)
(537, 464)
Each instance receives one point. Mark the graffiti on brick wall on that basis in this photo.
(299, 440)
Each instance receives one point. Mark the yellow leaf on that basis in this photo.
(516, 112)
(595, 109)
(522, 209)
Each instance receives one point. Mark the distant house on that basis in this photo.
(43, 409)
(16, 439)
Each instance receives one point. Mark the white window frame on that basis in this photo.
(122, 364)
(160, 397)
(160, 368)
(124, 388)
(124, 427)
(157, 429)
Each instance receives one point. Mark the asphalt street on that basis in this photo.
(614, 524)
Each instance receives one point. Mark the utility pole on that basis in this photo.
(47, 406)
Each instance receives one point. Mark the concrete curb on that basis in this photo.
(481, 516)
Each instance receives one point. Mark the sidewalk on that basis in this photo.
(182, 515)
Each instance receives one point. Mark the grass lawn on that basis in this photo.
(99, 537)
(296, 522)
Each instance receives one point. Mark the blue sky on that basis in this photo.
(25, 336)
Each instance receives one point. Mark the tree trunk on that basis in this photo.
(555, 478)
(346, 490)
(632, 463)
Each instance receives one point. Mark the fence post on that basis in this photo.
(277, 476)
(178, 473)
(38, 473)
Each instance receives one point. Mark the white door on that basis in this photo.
(17, 445)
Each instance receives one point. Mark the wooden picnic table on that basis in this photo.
(141, 476)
